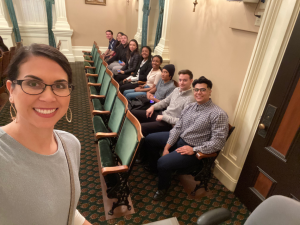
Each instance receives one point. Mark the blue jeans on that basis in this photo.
(131, 94)
(165, 165)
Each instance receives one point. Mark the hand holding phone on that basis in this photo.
(119, 71)
(120, 61)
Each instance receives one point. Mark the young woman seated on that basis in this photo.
(132, 57)
(152, 79)
(140, 74)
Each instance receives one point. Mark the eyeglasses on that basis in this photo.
(36, 87)
(200, 89)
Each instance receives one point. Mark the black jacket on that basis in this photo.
(132, 65)
(121, 52)
(144, 70)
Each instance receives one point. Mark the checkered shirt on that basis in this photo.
(204, 127)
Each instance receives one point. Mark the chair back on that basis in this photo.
(100, 56)
(176, 83)
(104, 63)
(58, 45)
(231, 128)
(101, 74)
(105, 83)
(111, 95)
(1, 71)
(5, 62)
(129, 139)
(276, 210)
(12, 52)
(118, 112)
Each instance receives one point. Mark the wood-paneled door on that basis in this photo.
(272, 166)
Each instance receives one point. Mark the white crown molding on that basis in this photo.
(272, 39)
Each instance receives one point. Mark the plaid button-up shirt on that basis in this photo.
(204, 127)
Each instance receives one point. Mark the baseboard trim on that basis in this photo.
(224, 177)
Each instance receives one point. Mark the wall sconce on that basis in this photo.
(195, 3)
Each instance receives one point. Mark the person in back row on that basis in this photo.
(145, 66)
(111, 44)
(202, 127)
(152, 79)
(121, 51)
(132, 61)
(154, 120)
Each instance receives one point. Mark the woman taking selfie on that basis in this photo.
(39, 165)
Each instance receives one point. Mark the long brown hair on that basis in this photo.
(136, 51)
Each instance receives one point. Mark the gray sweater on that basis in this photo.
(174, 103)
(35, 188)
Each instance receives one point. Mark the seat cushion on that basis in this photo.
(107, 159)
(92, 80)
(93, 90)
(97, 105)
(86, 57)
(99, 125)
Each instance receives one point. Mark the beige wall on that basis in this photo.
(204, 43)
(131, 18)
(89, 22)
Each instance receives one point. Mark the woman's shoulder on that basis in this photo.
(68, 137)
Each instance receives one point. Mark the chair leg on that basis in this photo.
(204, 175)
(121, 193)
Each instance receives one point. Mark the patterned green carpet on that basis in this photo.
(176, 204)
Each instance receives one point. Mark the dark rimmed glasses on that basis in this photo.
(202, 90)
(36, 87)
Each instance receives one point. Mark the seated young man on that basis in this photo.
(113, 64)
(154, 120)
(111, 44)
(202, 127)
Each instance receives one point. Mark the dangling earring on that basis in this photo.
(69, 120)
(13, 117)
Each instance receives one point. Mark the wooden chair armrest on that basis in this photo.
(132, 73)
(105, 135)
(89, 61)
(90, 67)
(91, 75)
(86, 52)
(98, 112)
(97, 96)
(141, 82)
(200, 155)
(94, 84)
(115, 169)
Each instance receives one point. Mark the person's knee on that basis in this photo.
(163, 164)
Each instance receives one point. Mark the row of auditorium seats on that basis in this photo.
(109, 111)
(117, 131)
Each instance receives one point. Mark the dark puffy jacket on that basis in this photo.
(121, 51)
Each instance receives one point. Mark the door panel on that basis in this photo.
(272, 165)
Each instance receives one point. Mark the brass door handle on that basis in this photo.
(261, 126)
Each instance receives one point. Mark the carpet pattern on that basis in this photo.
(176, 204)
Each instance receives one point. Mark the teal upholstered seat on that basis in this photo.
(109, 99)
(116, 173)
(104, 87)
(119, 109)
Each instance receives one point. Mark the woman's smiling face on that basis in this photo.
(45, 109)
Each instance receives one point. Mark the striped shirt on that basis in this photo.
(204, 127)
